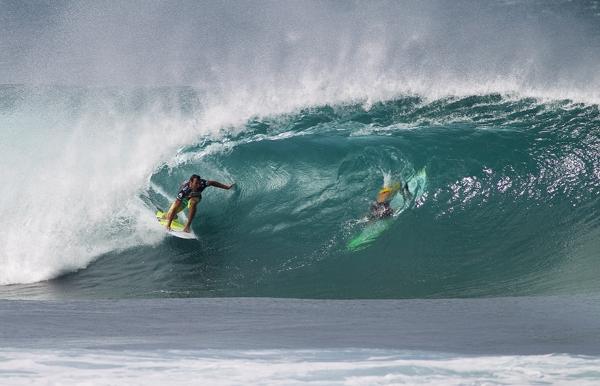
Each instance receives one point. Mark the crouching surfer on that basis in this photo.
(190, 193)
(381, 207)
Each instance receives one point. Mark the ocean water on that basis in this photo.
(510, 205)
(523, 340)
(275, 367)
(487, 277)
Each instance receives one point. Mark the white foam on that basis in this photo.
(75, 196)
(289, 367)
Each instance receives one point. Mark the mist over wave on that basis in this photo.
(308, 106)
(270, 51)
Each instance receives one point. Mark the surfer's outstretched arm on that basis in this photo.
(220, 185)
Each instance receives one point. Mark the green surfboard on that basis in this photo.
(416, 185)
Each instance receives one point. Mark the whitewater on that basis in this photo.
(309, 107)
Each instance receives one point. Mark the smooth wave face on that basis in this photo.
(511, 206)
(511, 203)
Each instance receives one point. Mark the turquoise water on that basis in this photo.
(510, 208)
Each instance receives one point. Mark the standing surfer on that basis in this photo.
(190, 193)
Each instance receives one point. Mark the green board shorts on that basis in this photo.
(187, 202)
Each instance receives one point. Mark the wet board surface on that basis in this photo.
(176, 227)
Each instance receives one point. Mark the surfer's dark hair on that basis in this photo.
(194, 177)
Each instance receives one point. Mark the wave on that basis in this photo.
(510, 208)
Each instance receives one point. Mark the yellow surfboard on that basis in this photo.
(176, 227)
